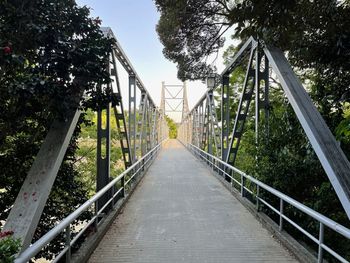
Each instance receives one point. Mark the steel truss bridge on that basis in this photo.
(192, 203)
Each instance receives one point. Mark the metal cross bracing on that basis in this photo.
(202, 123)
(174, 101)
(251, 86)
(214, 136)
(261, 59)
(214, 140)
(139, 133)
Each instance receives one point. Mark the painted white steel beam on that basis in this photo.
(30, 202)
(331, 156)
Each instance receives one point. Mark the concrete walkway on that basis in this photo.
(182, 213)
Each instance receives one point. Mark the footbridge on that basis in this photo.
(184, 200)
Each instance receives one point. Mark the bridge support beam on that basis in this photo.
(141, 126)
(261, 91)
(332, 158)
(30, 202)
(103, 154)
(261, 59)
(132, 116)
(225, 116)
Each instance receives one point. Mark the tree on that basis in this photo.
(285, 159)
(172, 127)
(316, 35)
(189, 30)
(50, 51)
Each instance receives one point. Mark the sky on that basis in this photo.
(134, 23)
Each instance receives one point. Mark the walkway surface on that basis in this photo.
(182, 213)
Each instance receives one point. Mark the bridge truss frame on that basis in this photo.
(178, 96)
(261, 59)
(137, 138)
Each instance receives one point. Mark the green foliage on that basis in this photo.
(172, 128)
(9, 247)
(178, 30)
(87, 151)
(89, 129)
(190, 30)
(316, 35)
(50, 52)
(285, 160)
(343, 129)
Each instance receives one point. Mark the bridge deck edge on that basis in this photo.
(83, 254)
(301, 253)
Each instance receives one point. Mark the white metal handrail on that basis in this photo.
(64, 225)
(321, 219)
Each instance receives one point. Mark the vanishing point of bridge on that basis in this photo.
(183, 200)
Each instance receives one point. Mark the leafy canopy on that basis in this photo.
(317, 33)
(49, 52)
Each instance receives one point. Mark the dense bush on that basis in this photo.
(172, 128)
(51, 52)
(9, 247)
(285, 159)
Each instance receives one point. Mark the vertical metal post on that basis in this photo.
(148, 127)
(194, 128)
(159, 129)
(103, 159)
(122, 184)
(320, 242)
(242, 186)
(210, 137)
(205, 135)
(266, 96)
(96, 215)
(281, 215)
(200, 107)
(257, 93)
(153, 127)
(143, 137)
(185, 108)
(67, 243)
(225, 115)
(132, 116)
(257, 197)
(112, 195)
(141, 124)
(225, 120)
(162, 110)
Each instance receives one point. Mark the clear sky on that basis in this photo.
(133, 23)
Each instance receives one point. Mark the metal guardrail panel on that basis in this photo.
(138, 167)
(224, 169)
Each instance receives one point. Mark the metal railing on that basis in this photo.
(222, 136)
(124, 179)
(227, 170)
